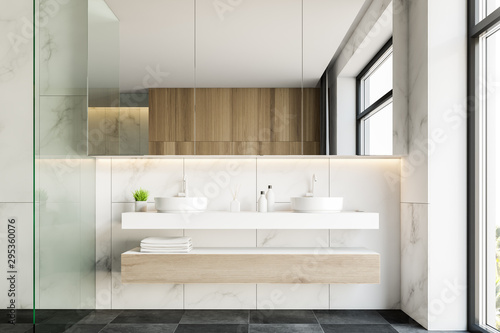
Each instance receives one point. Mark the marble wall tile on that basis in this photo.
(222, 238)
(138, 296)
(16, 82)
(24, 252)
(363, 296)
(60, 261)
(63, 56)
(400, 77)
(292, 238)
(216, 178)
(292, 178)
(59, 180)
(103, 237)
(130, 131)
(88, 232)
(63, 127)
(414, 167)
(220, 296)
(374, 186)
(161, 177)
(292, 296)
(414, 261)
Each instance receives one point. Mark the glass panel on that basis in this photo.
(377, 130)
(491, 5)
(492, 180)
(64, 175)
(379, 81)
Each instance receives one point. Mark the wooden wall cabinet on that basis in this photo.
(234, 121)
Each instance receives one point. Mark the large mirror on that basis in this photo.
(221, 77)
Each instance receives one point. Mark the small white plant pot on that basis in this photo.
(235, 206)
(141, 206)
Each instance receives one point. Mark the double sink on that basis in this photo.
(199, 204)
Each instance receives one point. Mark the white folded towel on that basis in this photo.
(185, 250)
(166, 245)
(155, 247)
(165, 240)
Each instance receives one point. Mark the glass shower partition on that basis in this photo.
(64, 175)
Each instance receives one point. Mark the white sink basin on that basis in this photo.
(180, 204)
(317, 204)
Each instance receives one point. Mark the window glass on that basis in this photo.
(491, 5)
(492, 94)
(378, 132)
(378, 82)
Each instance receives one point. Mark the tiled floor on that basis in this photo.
(216, 321)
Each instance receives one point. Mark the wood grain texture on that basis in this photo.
(295, 114)
(171, 148)
(214, 114)
(245, 114)
(246, 148)
(214, 148)
(274, 148)
(250, 268)
(256, 121)
(311, 148)
(311, 114)
(184, 114)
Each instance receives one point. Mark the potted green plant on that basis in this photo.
(141, 200)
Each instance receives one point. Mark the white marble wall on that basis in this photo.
(16, 99)
(414, 261)
(433, 175)
(368, 184)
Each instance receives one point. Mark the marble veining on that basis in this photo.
(160, 177)
(220, 296)
(364, 184)
(414, 261)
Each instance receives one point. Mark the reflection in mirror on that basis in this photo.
(248, 78)
(201, 77)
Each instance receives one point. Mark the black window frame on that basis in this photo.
(475, 30)
(372, 109)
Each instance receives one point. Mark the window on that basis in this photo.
(374, 105)
(490, 165)
(484, 167)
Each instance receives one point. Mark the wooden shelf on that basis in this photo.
(254, 265)
(250, 220)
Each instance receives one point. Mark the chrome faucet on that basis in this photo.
(313, 182)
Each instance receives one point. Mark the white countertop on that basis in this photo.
(268, 250)
(251, 220)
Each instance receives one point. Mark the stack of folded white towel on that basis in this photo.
(166, 245)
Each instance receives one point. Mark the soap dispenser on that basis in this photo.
(262, 204)
(270, 198)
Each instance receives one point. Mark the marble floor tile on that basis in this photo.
(358, 329)
(100, 317)
(350, 317)
(18, 328)
(149, 317)
(203, 328)
(139, 328)
(396, 317)
(285, 328)
(88, 328)
(282, 317)
(67, 317)
(215, 317)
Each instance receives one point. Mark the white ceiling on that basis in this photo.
(253, 43)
